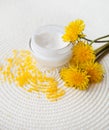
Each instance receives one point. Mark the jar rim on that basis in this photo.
(42, 48)
(52, 53)
(46, 51)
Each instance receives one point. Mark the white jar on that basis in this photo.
(48, 47)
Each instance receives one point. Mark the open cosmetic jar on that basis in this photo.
(48, 48)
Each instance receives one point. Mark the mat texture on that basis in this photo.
(77, 110)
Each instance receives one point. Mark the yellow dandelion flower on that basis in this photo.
(75, 77)
(82, 52)
(95, 70)
(73, 31)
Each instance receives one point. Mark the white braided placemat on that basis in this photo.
(77, 110)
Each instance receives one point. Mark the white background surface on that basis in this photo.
(78, 110)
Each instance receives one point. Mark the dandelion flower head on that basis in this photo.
(74, 31)
(75, 77)
(82, 52)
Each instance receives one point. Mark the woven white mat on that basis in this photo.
(77, 110)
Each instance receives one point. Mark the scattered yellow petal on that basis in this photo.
(21, 69)
(1, 68)
(54, 95)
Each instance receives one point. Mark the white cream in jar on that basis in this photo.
(48, 47)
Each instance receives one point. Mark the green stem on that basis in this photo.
(101, 50)
(99, 39)
(95, 41)
(103, 53)
(102, 37)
